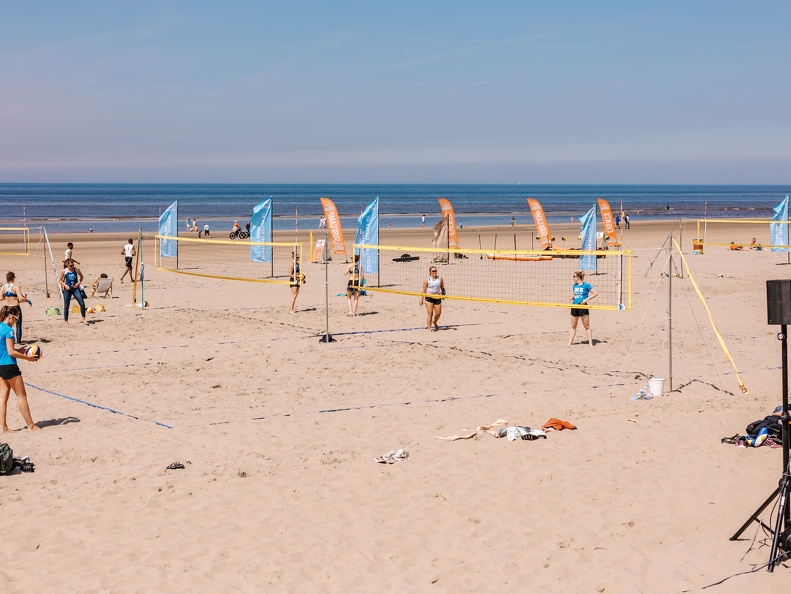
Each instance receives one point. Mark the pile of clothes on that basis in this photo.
(766, 431)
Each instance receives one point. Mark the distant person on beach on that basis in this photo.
(194, 224)
(128, 252)
(626, 220)
(581, 294)
(206, 230)
(68, 254)
(297, 279)
(434, 286)
(14, 297)
(356, 276)
(513, 222)
(618, 221)
(755, 246)
(71, 283)
(10, 373)
(423, 221)
(323, 222)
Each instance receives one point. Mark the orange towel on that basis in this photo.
(557, 424)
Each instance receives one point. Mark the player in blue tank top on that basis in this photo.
(71, 284)
(10, 375)
(581, 294)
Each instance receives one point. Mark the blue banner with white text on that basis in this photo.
(779, 227)
(168, 222)
(261, 230)
(588, 234)
(368, 233)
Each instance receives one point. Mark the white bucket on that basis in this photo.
(656, 385)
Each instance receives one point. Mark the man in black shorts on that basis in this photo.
(128, 253)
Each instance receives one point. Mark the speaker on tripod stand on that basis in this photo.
(778, 308)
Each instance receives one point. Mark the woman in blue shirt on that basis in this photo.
(581, 294)
(71, 283)
(9, 371)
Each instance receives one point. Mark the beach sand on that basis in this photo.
(278, 434)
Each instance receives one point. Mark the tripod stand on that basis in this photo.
(781, 535)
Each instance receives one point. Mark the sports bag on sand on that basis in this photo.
(6, 458)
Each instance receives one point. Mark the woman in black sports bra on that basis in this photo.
(13, 297)
(296, 279)
(355, 284)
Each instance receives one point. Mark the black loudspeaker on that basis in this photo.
(778, 302)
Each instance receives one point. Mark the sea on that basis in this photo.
(62, 208)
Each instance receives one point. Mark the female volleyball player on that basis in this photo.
(9, 371)
(581, 294)
(297, 279)
(354, 285)
(433, 285)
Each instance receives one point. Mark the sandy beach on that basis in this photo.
(278, 433)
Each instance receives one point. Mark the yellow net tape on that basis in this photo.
(15, 241)
(711, 318)
(737, 233)
(518, 277)
(229, 259)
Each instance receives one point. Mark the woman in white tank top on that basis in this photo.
(433, 290)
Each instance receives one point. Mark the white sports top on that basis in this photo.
(128, 250)
(433, 287)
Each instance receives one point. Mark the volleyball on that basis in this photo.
(33, 351)
(301, 277)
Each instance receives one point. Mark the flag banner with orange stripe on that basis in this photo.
(541, 223)
(447, 211)
(609, 223)
(334, 226)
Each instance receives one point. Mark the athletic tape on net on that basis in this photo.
(711, 319)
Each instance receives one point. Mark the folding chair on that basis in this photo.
(105, 287)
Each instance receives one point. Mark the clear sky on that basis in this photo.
(552, 91)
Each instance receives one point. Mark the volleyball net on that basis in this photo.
(520, 277)
(228, 259)
(737, 232)
(15, 241)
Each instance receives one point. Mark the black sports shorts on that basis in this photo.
(8, 372)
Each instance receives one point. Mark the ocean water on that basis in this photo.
(125, 207)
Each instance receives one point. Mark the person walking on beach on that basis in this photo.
(625, 220)
(581, 294)
(128, 252)
(13, 296)
(355, 284)
(71, 283)
(206, 230)
(434, 286)
(423, 221)
(513, 222)
(10, 374)
(67, 255)
(297, 279)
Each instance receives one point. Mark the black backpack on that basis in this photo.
(6, 458)
(773, 424)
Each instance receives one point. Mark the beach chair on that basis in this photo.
(105, 287)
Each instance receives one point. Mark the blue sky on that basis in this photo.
(696, 91)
